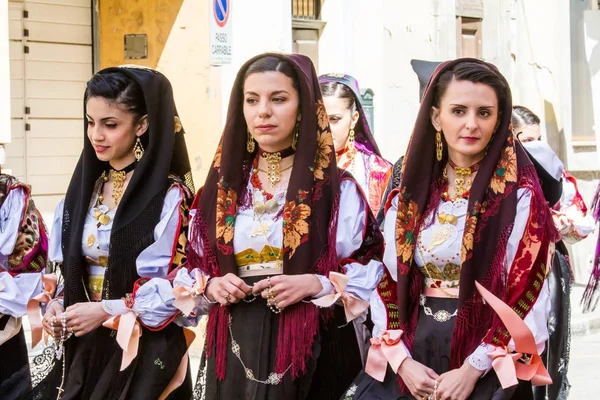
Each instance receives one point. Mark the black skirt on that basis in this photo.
(557, 352)
(335, 359)
(94, 361)
(431, 347)
(15, 377)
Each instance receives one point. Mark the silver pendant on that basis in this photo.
(442, 316)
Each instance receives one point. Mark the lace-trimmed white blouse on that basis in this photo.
(363, 279)
(448, 252)
(153, 300)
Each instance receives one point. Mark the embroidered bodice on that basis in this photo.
(439, 245)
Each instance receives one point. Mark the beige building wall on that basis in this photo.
(201, 90)
(529, 40)
(4, 80)
(50, 48)
(185, 61)
(537, 44)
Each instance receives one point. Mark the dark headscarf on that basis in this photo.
(490, 218)
(424, 70)
(139, 210)
(309, 215)
(364, 139)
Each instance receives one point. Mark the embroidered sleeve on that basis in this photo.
(55, 241)
(16, 291)
(188, 280)
(379, 313)
(155, 260)
(537, 318)
(153, 294)
(352, 220)
(11, 213)
(154, 302)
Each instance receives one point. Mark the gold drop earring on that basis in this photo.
(296, 132)
(138, 150)
(250, 145)
(351, 138)
(439, 146)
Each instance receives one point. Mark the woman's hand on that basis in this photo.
(227, 289)
(286, 290)
(458, 384)
(83, 318)
(419, 379)
(53, 312)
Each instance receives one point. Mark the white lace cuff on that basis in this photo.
(480, 360)
(327, 287)
(114, 307)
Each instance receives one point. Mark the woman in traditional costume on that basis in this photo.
(468, 218)
(117, 235)
(288, 242)
(23, 254)
(356, 149)
(569, 213)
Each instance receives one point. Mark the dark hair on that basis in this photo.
(523, 116)
(120, 89)
(340, 91)
(472, 72)
(273, 64)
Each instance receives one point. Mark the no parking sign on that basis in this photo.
(220, 32)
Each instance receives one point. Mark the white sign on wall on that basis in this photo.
(221, 34)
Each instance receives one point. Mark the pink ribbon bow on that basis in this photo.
(507, 364)
(353, 306)
(128, 335)
(184, 296)
(33, 308)
(386, 349)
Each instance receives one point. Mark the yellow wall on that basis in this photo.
(121, 17)
(178, 46)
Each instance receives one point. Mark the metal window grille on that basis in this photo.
(306, 9)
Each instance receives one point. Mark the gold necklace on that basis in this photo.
(118, 177)
(282, 170)
(118, 181)
(273, 167)
(463, 180)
